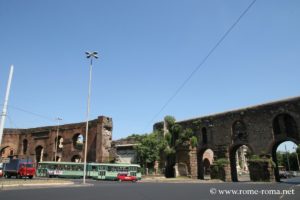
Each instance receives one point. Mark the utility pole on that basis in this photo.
(4, 111)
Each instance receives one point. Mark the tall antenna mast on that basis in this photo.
(4, 111)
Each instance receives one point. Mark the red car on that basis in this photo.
(1, 169)
(126, 177)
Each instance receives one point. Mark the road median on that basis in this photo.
(9, 183)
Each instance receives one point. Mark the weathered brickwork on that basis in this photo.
(261, 128)
(40, 143)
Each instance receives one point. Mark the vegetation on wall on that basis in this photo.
(150, 146)
(178, 136)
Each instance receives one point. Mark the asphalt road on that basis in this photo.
(155, 191)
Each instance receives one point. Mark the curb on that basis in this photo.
(34, 184)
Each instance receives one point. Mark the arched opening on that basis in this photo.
(204, 135)
(39, 153)
(239, 156)
(25, 146)
(286, 155)
(284, 129)
(59, 143)
(205, 160)
(170, 166)
(78, 140)
(6, 152)
(76, 158)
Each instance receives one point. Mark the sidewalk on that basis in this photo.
(162, 179)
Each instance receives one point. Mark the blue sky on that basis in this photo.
(147, 49)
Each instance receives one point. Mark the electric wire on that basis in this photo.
(202, 62)
(32, 113)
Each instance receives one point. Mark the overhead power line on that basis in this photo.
(211, 51)
(32, 113)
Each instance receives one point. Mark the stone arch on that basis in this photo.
(25, 146)
(274, 154)
(284, 129)
(233, 160)
(39, 153)
(205, 158)
(7, 151)
(284, 125)
(78, 141)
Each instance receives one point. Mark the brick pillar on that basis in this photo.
(193, 163)
(227, 170)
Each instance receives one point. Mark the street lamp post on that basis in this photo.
(89, 55)
(56, 143)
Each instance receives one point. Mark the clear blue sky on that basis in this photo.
(147, 49)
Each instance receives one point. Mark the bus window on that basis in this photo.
(67, 167)
(80, 168)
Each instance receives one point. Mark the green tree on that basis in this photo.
(136, 137)
(283, 161)
(149, 148)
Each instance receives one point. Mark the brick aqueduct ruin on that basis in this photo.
(261, 128)
(38, 144)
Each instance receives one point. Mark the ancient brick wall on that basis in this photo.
(42, 144)
(261, 128)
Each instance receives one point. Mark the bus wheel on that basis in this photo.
(30, 177)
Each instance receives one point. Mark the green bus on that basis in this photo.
(110, 171)
(98, 171)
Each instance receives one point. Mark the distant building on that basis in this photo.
(123, 151)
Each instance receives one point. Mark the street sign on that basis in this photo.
(5, 160)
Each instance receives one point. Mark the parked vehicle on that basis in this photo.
(1, 169)
(19, 168)
(283, 174)
(126, 177)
